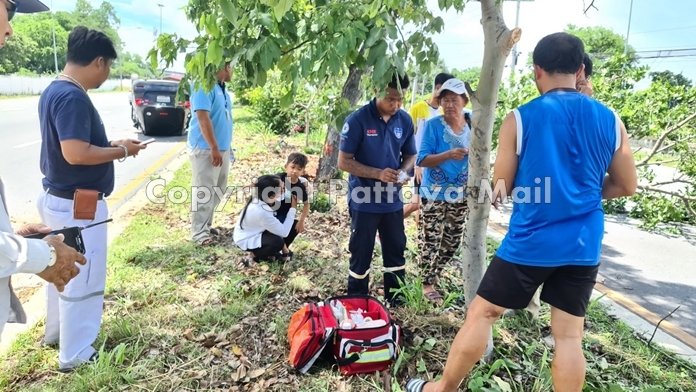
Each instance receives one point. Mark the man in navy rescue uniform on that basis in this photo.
(378, 149)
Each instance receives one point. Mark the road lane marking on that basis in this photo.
(647, 315)
(28, 144)
(633, 307)
(128, 188)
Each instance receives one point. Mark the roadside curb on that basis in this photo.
(128, 204)
(640, 325)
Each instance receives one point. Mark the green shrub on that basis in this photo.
(321, 203)
(265, 101)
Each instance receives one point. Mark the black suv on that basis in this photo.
(154, 108)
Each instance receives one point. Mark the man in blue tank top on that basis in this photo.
(558, 156)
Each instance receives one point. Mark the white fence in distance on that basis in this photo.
(34, 85)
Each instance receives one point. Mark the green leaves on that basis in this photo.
(214, 55)
(307, 41)
(270, 52)
(230, 11)
(281, 7)
(381, 67)
(376, 52)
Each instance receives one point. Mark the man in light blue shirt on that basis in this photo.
(209, 143)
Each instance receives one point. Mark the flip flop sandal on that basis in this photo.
(208, 242)
(415, 385)
(433, 296)
(286, 257)
(247, 261)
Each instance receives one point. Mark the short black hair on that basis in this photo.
(85, 45)
(559, 53)
(588, 65)
(403, 80)
(298, 159)
(442, 78)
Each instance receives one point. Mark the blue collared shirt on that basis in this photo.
(381, 145)
(219, 104)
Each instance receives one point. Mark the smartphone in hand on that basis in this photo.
(148, 141)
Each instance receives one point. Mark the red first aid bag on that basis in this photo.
(314, 331)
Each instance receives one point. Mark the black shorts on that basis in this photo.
(512, 286)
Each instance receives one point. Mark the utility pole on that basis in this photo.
(630, 14)
(53, 27)
(161, 6)
(515, 54)
(413, 90)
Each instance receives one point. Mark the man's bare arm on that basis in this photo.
(505, 167)
(350, 165)
(79, 152)
(207, 128)
(622, 177)
(408, 162)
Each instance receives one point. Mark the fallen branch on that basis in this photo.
(665, 192)
(677, 181)
(651, 188)
(665, 162)
(660, 322)
(671, 145)
(691, 210)
(661, 139)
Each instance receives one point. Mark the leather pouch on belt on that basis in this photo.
(85, 204)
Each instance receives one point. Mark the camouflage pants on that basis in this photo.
(440, 233)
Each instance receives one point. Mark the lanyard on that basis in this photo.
(222, 87)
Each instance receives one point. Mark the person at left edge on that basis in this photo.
(76, 154)
(377, 142)
(49, 258)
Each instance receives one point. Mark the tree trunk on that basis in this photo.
(328, 164)
(499, 40)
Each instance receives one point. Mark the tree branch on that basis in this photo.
(401, 34)
(587, 8)
(671, 145)
(660, 322)
(676, 181)
(662, 138)
(691, 210)
(665, 162)
(303, 43)
(650, 188)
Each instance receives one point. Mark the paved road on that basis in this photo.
(21, 143)
(655, 271)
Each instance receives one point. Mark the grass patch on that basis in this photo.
(181, 318)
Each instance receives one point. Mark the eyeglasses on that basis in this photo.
(12, 10)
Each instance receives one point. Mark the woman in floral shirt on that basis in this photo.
(444, 156)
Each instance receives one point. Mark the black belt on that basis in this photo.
(67, 195)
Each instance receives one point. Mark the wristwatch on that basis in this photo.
(54, 256)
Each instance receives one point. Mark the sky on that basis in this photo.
(653, 27)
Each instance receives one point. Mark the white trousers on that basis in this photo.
(73, 317)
